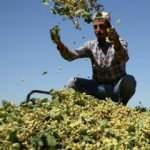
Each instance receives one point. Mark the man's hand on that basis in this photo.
(112, 35)
(54, 33)
(114, 38)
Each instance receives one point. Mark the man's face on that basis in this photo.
(100, 28)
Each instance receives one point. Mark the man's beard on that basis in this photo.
(101, 38)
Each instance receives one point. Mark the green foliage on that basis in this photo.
(71, 120)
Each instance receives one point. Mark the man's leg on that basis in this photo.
(125, 88)
(88, 86)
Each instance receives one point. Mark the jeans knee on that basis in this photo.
(128, 85)
(72, 82)
(130, 82)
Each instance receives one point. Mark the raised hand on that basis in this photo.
(112, 35)
(54, 33)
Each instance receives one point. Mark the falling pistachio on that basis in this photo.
(45, 72)
(118, 21)
(74, 10)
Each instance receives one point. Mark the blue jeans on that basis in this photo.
(120, 91)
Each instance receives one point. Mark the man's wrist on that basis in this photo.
(60, 45)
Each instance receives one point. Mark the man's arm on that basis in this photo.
(121, 53)
(64, 51)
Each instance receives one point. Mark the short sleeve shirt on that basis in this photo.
(105, 68)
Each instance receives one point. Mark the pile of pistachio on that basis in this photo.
(70, 120)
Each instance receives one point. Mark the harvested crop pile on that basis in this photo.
(73, 121)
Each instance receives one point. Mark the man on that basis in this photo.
(108, 55)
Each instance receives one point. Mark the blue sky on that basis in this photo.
(26, 50)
